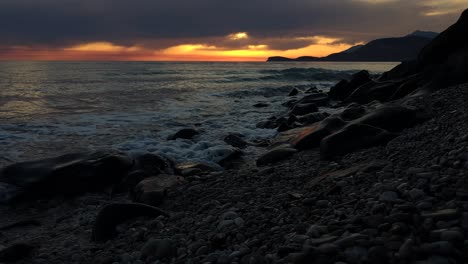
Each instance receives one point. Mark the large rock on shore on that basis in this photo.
(344, 88)
(68, 174)
(357, 127)
(352, 138)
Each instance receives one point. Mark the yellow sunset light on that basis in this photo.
(102, 47)
(239, 35)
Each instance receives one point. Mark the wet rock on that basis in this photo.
(304, 109)
(204, 168)
(353, 137)
(113, 214)
(344, 88)
(153, 164)
(152, 190)
(293, 92)
(185, 133)
(69, 174)
(319, 99)
(276, 154)
(236, 141)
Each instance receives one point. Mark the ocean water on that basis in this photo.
(52, 108)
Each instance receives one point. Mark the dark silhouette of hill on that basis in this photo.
(386, 49)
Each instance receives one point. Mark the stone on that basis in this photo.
(203, 167)
(388, 196)
(276, 154)
(158, 249)
(69, 174)
(185, 133)
(353, 137)
(293, 92)
(445, 214)
(236, 141)
(304, 108)
(153, 164)
(344, 88)
(152, 190)
(378, 254)
(350, 240)
(114, 214)
(319, 99)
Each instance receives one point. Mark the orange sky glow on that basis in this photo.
(319, 47)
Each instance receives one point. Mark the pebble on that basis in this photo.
(388, 196)
(445, 214)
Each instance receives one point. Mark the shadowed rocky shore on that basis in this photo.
(382, 179)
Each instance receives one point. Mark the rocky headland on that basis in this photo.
(383, 179)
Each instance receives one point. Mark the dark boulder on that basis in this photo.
(320, 99)
(185, 133)
(353, 137)
(261, 105)
(153, 190)
(305, 108)
(293, 92)
(352, 112)
(114, 214)
(311, 137)
(236, 141)
(311, 118)
(153, 164)
(68, 174)
(393, 117)
(276, 154)
(374, 91)
(344, 88)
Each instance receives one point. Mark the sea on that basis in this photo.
(52, 108)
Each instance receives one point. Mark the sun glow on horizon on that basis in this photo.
(248, 50)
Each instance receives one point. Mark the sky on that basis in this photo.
(208, 30)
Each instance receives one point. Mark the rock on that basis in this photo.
(16, 252)
(185, 133)
(304, 108)
(223, 155)
(393, 117)
(353, 111)
(261, 105)
(353, 137)
(113, 214)
(205, 168)
(153, 164)
(344, 88)
(293, 92)
(311, 118)
(388, 196)
(152, 190)
(276, 154)
(69, 174)
(445, 214)
(319, 99)
(158, 249)
(310, 136)
(236, 141)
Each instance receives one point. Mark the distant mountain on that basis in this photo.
(386, 49)
(424, 34)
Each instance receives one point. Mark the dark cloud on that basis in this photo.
(163, 23)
